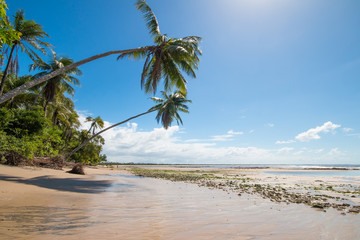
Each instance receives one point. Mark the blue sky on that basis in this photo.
(278, 80)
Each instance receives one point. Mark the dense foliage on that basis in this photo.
(40, 122)
(37, 114)
(29, 133)
(7, 33)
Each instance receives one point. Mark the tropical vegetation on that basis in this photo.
(31, 34)
(37, 113)
(163, 60)
(167, 111)
(7, 32)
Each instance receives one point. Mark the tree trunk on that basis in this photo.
(37, 97)
(54, 117)
(91, 126)
(45, 107)
(55, 73)
(92, 137)
(2, 85)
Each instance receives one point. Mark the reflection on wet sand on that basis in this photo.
(42, 220)
(157, 209)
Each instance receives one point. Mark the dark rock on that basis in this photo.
(320, 205)
(354, 210)
(77, 169)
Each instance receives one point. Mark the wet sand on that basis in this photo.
(113, 204)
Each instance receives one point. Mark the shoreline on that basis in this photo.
(320, 192)
(111, 203)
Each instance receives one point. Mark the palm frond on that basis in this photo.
(174, 75)
(145, 69)
(149, 16)
(135, 55)
(186, 67)
(156, 73)
(156, 99)
(169, 107)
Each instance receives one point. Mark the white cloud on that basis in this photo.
(347, 129)
(299, 152)
(334, 152)
(194, 140)
(285, 150)
(313, 133)
(226, 137)
(285, 142)
(270, 125)
(128, 143)
(354, 134)
(319, 150)
(235, 133)
(222, 138)
(217, 138)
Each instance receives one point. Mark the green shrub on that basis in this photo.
(30, 134)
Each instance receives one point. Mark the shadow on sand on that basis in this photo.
(66, 184)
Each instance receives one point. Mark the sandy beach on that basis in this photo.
(112, 203)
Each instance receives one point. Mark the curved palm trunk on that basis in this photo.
(6, 69)
(92, 125)
(55, 73)
(92, 137)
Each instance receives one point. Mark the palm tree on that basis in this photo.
(68, 123)
(169, 107)
(167, 112)
(7, 33)
(23, 100)
(165, 60)
(168, 58)
(31, 33)
(95, 123)
(59, 84)
(62, 111)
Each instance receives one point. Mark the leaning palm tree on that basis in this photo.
(95, 123)
(23, 100)
(166, 59)
(31, 34)
(167, 108)
(59, 84)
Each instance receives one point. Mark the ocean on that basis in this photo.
(341, 170)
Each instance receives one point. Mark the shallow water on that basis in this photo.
(260, 166)
(143, 208)
(317, 173)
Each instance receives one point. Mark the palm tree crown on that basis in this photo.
(96, 123)
(59, 84)
(169, 107)
(31, 34)
(168, 58)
